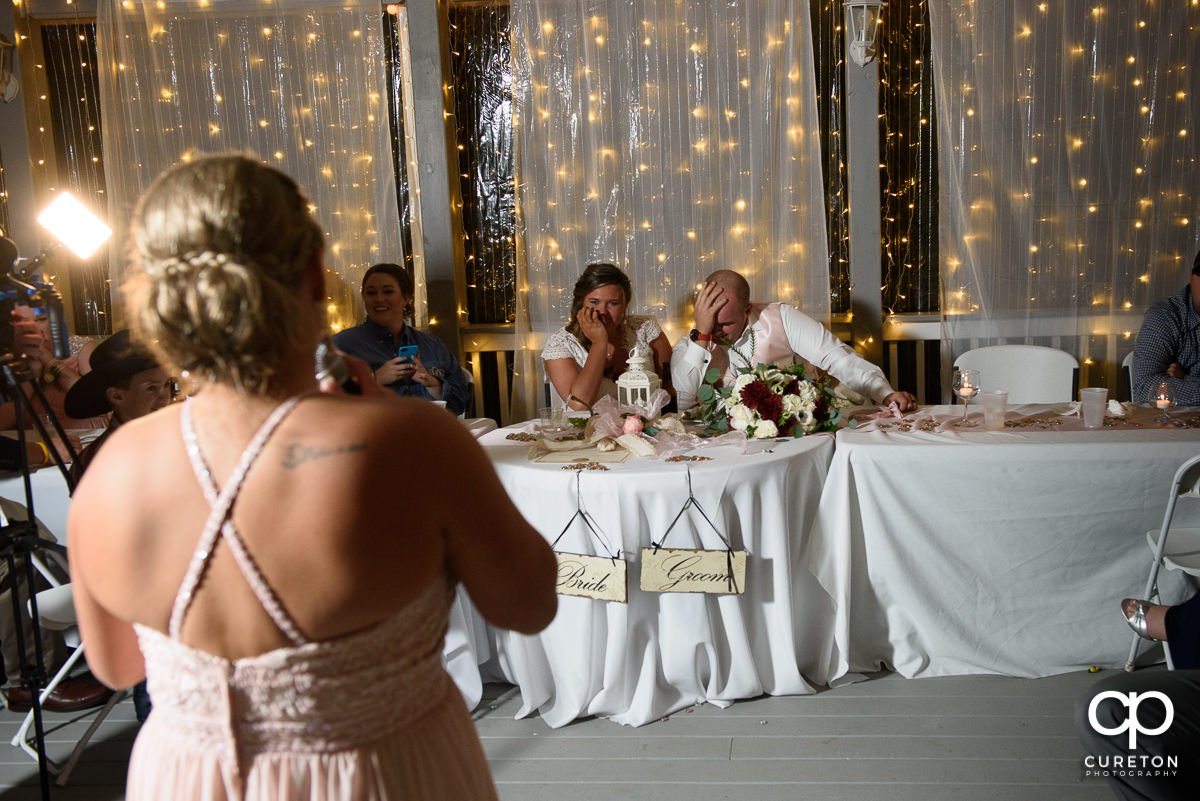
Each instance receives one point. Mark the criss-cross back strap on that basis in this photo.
(220, 523)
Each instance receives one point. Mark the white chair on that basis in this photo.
(1177, 548)
(1127, 376)
(1029, 373)
(56, 610)
(478, 426)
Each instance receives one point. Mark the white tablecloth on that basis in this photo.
(50, 497)
(991, 552)
(660, 653)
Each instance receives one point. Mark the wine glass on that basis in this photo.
(1162, 397)
(966, 386)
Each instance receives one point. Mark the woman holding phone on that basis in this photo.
(405, 360)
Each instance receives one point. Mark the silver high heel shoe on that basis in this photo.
(1134, 611)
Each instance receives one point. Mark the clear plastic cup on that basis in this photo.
(1092, 401)
(994, 403)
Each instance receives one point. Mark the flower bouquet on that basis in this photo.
(769, 401)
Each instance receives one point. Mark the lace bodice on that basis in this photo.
(318, 697)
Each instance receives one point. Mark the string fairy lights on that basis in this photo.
(1068, 173)
(668, 165)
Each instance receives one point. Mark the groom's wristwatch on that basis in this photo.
(696, 336)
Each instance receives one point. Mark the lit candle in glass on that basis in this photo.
(1161, 397)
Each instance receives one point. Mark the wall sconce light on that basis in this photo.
(861, 26)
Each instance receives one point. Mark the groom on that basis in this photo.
(731, 332)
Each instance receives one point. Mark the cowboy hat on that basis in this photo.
(113, 359)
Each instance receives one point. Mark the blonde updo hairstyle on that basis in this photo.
(220, 247)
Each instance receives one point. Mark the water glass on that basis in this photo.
(552, 420)
(1092, 401)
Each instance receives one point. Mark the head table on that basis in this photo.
(909, 543)
(954, 551)
(637, 661)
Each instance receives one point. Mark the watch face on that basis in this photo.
(694, 335)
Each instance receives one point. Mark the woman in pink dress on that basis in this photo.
(279, 563)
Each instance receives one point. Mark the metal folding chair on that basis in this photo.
(1177, 548)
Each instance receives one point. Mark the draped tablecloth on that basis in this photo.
(978, 551)
(659, 653)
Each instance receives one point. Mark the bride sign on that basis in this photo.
(596, 577)
(599, 577)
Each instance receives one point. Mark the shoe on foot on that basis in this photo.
(1135, 615)
(71, 695)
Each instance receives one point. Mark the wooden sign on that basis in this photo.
(682, 570)
(591, 577)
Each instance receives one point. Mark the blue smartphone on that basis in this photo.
(407, 352)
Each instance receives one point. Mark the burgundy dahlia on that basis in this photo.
(758, 397)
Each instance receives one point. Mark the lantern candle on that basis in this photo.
(638, 382)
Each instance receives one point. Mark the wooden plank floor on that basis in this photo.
(969, 738)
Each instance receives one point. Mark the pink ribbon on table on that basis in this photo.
(889, 412)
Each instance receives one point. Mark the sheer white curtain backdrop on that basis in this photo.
(671, 139)
(298, 83)
(1069, 180)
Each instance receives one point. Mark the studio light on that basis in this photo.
(73, 224)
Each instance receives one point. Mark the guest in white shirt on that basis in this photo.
(732, 333)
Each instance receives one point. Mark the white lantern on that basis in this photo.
(638, 381)
(861, 29)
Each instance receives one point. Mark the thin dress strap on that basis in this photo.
(220, 523)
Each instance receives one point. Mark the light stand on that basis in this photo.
(19, 540)
(81, 231)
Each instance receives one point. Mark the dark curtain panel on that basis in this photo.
(908, 149)
(74, 101)
(828, 54)
(481, 59)
(908, 141)
(395, 83)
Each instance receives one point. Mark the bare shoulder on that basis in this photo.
(131, 460)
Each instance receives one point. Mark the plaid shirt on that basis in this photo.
(1170, 334)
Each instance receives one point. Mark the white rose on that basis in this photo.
(792, 404)
(740, 417)
(808, 393)
(765, 430)
(740, 383)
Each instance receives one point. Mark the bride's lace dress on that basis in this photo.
(371, 715)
